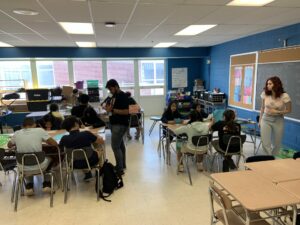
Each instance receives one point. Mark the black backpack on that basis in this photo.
(111, 180)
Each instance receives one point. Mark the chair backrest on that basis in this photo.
(259, 158)
(296, 155)
(17, 127)
(30, 158)
(134, 120)
(201, 140)
(77, 154)
(234, 143)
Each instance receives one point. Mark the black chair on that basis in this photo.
(135, 121)
(259, 158)
(201, 146)
(79, 154)
(31, 159)
(8, 163)
(234, 146)
(296, 155)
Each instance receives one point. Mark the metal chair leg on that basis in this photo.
(66, 188)
(188, 169)
(13, 187)
(98, 183)
(51, 193)
(152, 126)
(20, 179)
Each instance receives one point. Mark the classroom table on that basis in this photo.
(255, 192)
(293, 187)
(277, 171)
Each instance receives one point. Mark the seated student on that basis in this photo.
(195, 128)
(227, 126)
(86, 113)
(77, 140)
(197, 114)
(52, 120)
(28, 140)
(64, 103)
(171, 114)
(74, 97)
(133, 102)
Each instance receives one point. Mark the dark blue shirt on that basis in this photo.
(77, 139)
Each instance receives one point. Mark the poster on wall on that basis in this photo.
(237, 84)
(248, 83)
(179, 77)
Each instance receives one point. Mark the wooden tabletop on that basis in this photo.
(254, 192)
(277, 171)
(293, 187)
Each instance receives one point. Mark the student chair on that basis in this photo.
(296, 155)
(78, 154)
(230, 212)
(252, 131)
(8, 164)
(135, 121)
(201, 146)
(234, 146)
(31, 159)
(155, 120)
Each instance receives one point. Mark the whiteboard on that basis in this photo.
(179, 77)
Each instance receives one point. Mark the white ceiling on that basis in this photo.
(140, 23)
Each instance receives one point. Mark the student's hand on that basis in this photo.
(108, 108)
(171, 122)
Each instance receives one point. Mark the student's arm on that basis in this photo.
(99, 140)
(51, 141)
(181, 130)
(120, 111)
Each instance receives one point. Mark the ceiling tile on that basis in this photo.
(151, 14)
(68, 11)
(189, 14)
(104, 12)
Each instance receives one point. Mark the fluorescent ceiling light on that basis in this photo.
(195, 29)
(77, 28)
(86, 44)
(2, 44)
(164, 44)
(25, 12)
(249, 2)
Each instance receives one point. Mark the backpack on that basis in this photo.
(111, 180)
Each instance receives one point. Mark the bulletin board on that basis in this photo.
(242, 80)
(179, 77)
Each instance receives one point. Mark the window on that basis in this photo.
(52, 73)
(15, 75)
(88, 70)
(122, 72)
(151, 77)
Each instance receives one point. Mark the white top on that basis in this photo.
(275, 103)
(193, 129)
(30, 139)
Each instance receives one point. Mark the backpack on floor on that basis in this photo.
(110, 180)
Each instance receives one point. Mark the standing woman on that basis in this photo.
(275, 104)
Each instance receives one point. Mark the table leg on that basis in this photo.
(168, 147)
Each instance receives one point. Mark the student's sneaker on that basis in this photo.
(199, 166)
(180, 168)
(46, 186)
(88, 176)
(29, 189)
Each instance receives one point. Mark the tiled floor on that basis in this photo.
(153, 194)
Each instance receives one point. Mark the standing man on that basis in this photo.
(118, 110)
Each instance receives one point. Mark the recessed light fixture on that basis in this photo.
(194, 30)
(110, 24)
(2, 44)
(26, 12)
(164, 44)
(77, 28)
(249, 2)
(86, 44)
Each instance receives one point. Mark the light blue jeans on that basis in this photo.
(117, 144)
(271, 133)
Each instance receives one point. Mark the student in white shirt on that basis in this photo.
(275, 104)
(29, 140)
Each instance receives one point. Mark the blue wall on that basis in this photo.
(220, 60)
(74, 52)
(197, 69)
